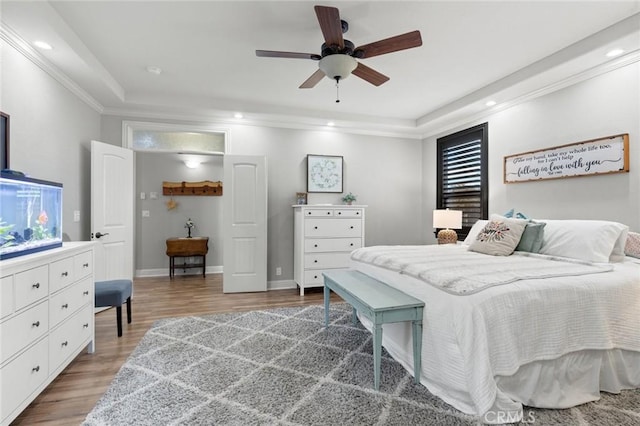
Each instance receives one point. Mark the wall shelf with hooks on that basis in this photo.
(206, 187)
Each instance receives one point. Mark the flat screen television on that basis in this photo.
(30, 215)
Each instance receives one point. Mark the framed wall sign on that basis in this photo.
(324, 173)
(4, 140)
(593, 157)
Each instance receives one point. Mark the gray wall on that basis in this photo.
(51, 130)
(384, 172)
(601, 106)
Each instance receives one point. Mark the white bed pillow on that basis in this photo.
(617, 254)
(590, 240)
(499, 237)
(474, 231)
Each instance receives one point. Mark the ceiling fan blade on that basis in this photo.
(330, 24)
(313, 80)
(294, 55)
(370, 75)
(388, 45)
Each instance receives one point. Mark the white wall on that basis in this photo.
(602, 106)
(384, 172)
(51, 129)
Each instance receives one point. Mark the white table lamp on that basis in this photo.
(445, 220)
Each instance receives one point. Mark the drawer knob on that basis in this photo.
(315, 227)
(308, 212)
(86, 292)
(65, 343)
(315, 245)
(85, 325)
(315, 261)
(315, 276)
(339, 213)
(351, 244)
(65, 274)
(65, 306)
(36, 324)
(328, 212)
(85, 265)
(36, 368)
(351, 227)
(357, 213)
(36, 285)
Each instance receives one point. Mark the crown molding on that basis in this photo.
(25, 49)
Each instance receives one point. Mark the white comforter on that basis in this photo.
(470, 342)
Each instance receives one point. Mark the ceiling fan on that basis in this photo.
(338, 55)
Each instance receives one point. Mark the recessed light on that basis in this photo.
(331, 124)
(154, 70)
(614, 52)
(42, 45)
(238, 115)
(490, 103)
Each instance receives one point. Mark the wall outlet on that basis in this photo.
(278, 271)
(143, 195)
(76, 215)
(153, 195)
(146, 213)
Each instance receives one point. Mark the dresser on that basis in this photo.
(46, 320)
(324, 237)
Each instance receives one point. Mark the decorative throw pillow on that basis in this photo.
(532, 236)
(632, 247)
(499, 237)
(474, 231)
(514, 214)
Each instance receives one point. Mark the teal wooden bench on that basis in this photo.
(380, 303)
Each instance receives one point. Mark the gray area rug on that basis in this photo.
(280, 367)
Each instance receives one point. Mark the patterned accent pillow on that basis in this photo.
(632, 247)
(499, 237)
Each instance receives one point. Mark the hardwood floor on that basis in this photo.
(72, 395)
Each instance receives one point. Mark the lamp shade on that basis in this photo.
(337, 65)
(447, 219)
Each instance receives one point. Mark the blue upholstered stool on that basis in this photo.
(114, 293)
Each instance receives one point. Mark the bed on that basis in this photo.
(549, 337)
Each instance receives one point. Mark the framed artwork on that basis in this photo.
(4, 140)
(593, 157)
(324, 173)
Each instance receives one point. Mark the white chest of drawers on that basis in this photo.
(46, 319)
(324, 237)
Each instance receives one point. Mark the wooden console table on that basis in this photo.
(187, 247)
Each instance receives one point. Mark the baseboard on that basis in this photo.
(164, 272)
(281, 285)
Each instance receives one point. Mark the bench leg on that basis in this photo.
(327, 297)
(417, 349)
(354, 317)
(128, 310)
(377, 354)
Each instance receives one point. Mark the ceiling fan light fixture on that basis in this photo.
(337, 66)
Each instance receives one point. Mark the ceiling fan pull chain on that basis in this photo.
(337, 89)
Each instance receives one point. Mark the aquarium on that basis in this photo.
(30, 215)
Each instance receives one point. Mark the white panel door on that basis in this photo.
(244, 218)
(112, 210)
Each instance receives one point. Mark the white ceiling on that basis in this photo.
(472, 51)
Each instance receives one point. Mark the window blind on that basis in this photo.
(462, 175)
